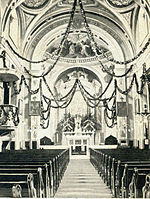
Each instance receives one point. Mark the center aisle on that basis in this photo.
(81, 180)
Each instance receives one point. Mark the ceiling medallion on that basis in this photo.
(120, 3)
(34, 3)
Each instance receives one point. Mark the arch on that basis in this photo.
(78, 69)
(53, 76)
(46, 28)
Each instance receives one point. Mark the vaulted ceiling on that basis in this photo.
(43, 23)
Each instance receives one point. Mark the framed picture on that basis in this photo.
(121, 109)
(34, 108)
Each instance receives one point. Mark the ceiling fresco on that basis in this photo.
(88, 78)
(35, 3)
(78, 72)
(120, 3)
(75, 46)
(99, 17)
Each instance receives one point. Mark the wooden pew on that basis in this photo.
(146, 188)
(117, 167)
(46, 174)
(139, 186)
(123, 176)
(10, 177)
(120, 175)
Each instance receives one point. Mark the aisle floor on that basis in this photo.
(81, 180)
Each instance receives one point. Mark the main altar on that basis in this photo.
(79, 138)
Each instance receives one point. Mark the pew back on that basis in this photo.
(116, 166)
(38, 173)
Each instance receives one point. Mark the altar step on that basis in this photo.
(81, 180)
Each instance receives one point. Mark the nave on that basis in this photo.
(109, 173)
(75, 82)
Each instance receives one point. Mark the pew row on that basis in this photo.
(32, 179)
(118, 171)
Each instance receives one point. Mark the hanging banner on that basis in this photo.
(121, 109)
(34, 108)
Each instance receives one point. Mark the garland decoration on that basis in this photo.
(64, 101)
(23, 58)
(112, 111)
(44, 120)
(94, 102)
(134, 79)
(44, 124)
(92, 97)
(50, 91)
(113, 120)
(91, 101)
(59, 50)
(23, 79)
(90, 34)
(113, 74)
(95, 46)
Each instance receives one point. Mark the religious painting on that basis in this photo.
(34, 108)
(121, 109)
(76, 45)
(120, 4)
(34, 4)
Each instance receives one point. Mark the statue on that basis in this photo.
(78, 124)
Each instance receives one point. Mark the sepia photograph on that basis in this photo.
(75, 99)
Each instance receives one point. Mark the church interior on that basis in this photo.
(75, 98)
